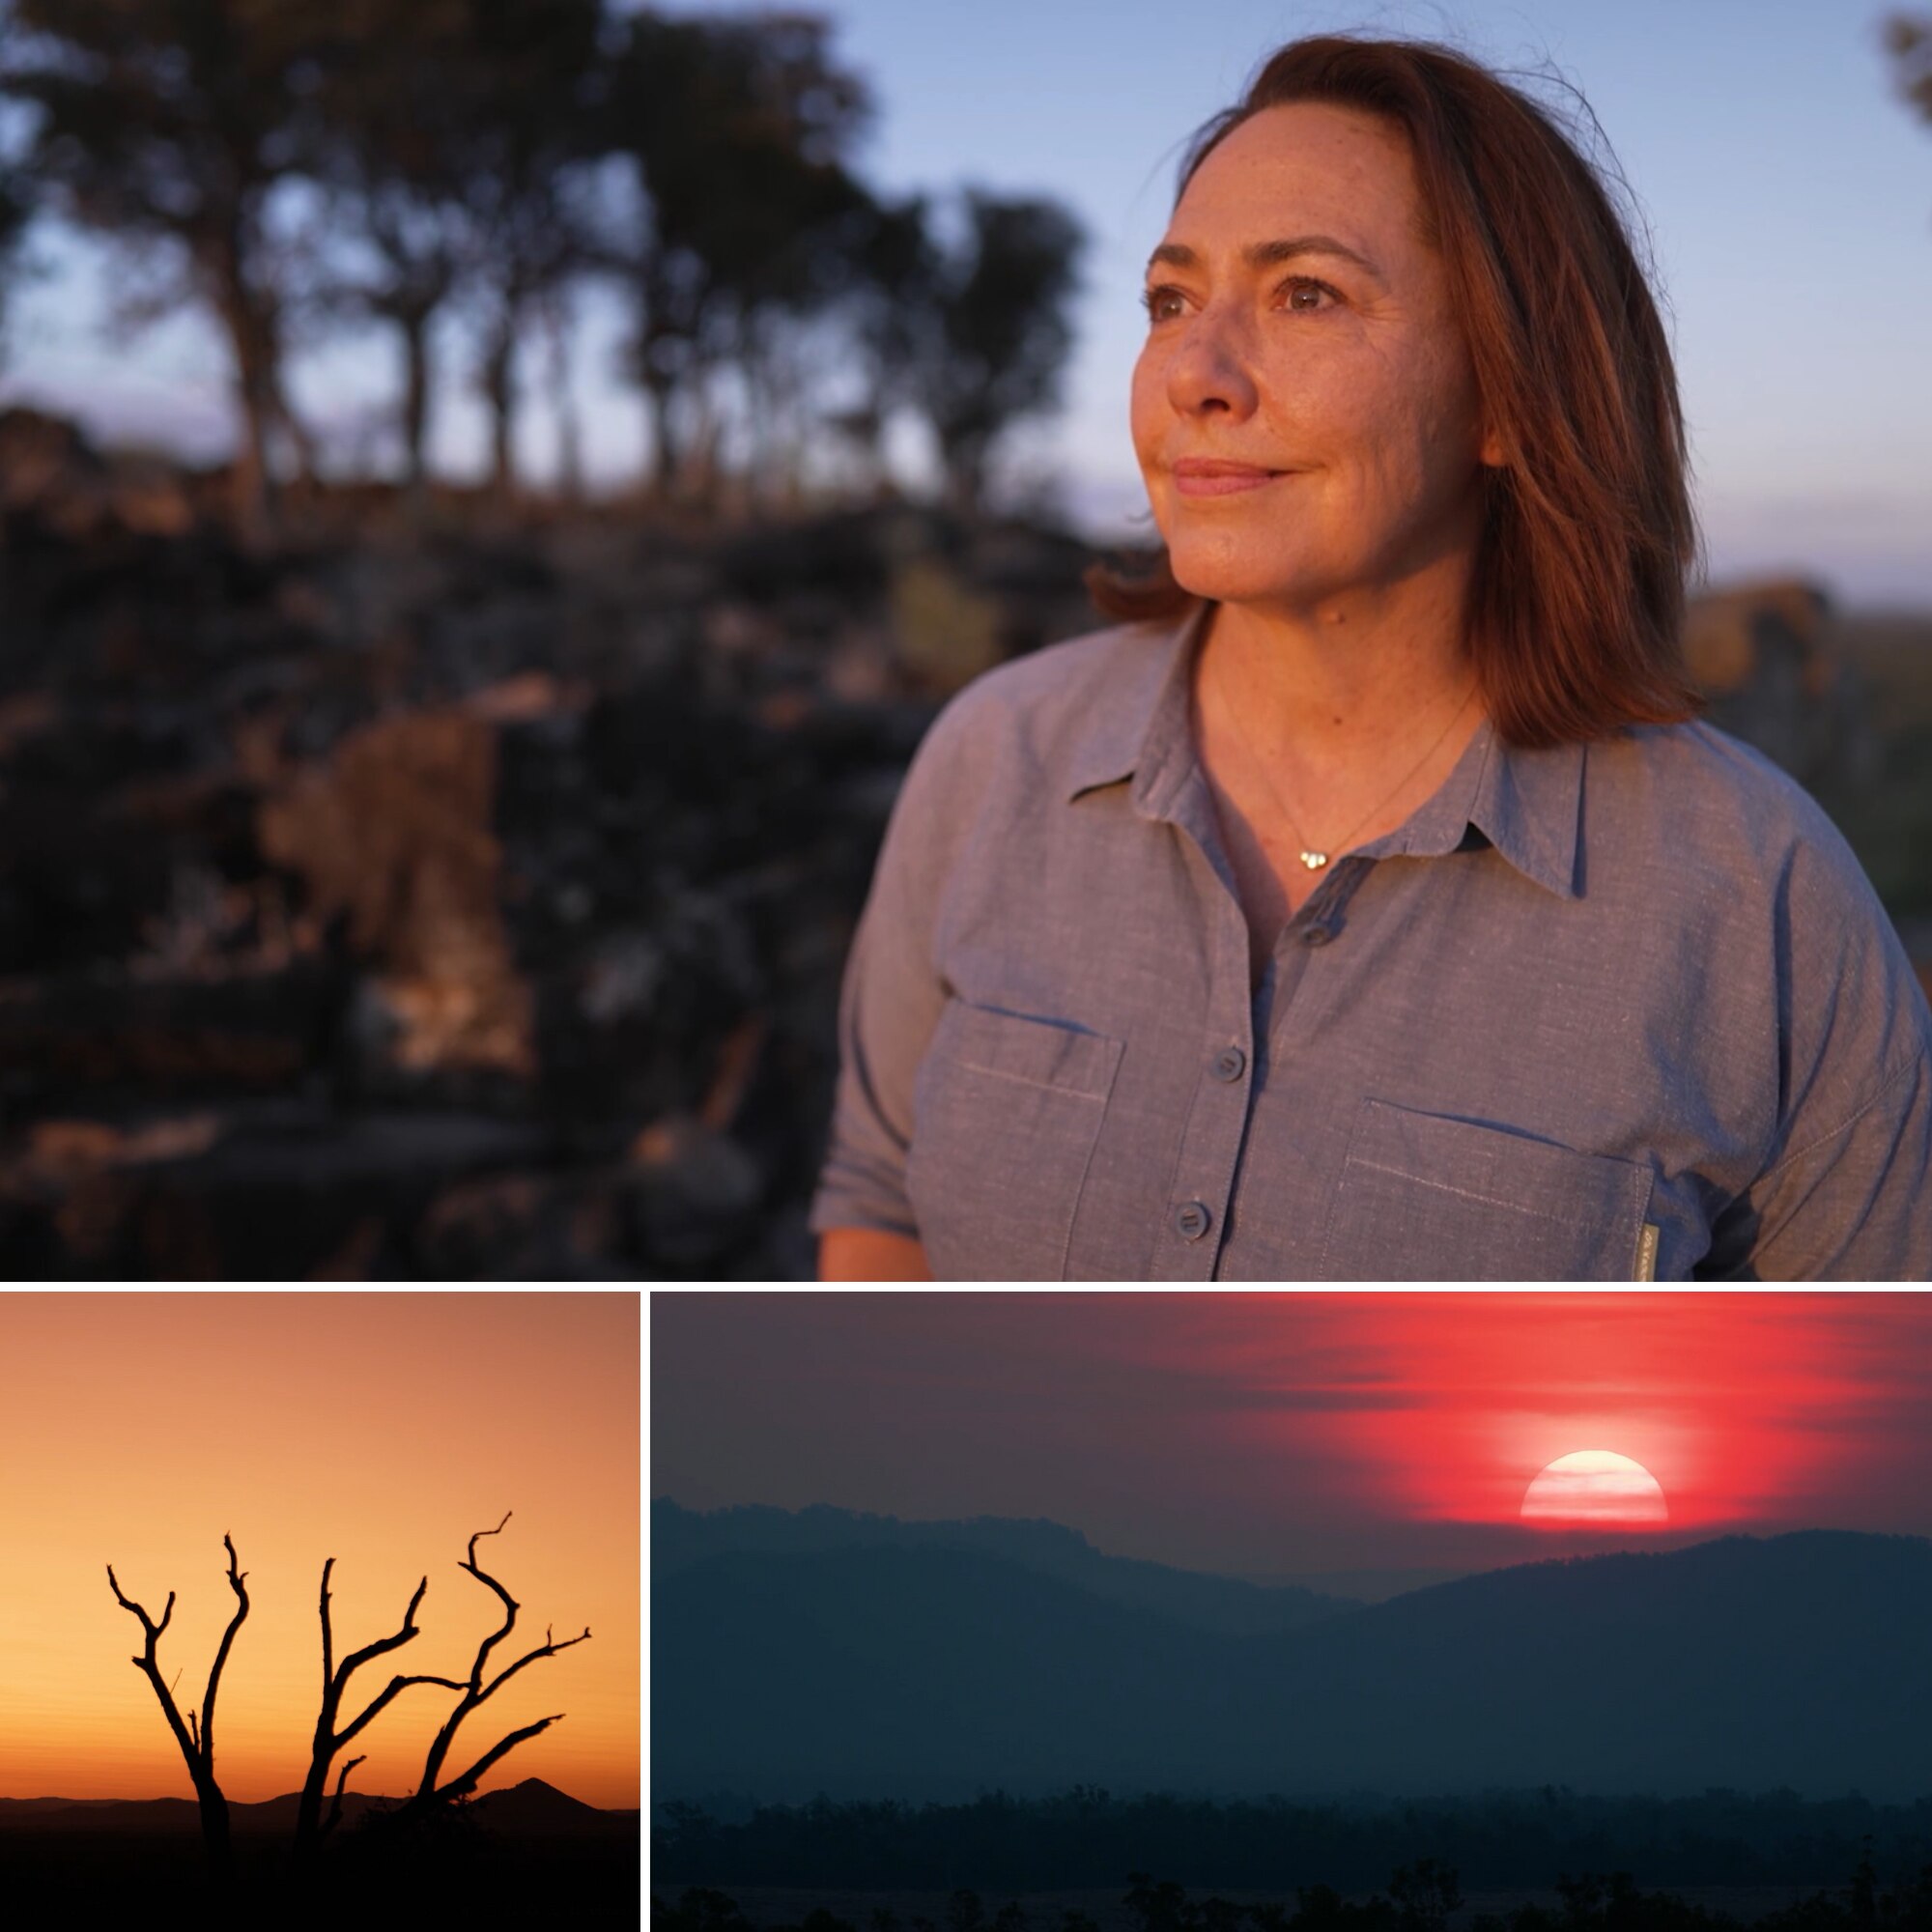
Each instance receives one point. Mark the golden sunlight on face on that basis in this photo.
(1335, 396)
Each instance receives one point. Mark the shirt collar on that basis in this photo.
(1525, 803)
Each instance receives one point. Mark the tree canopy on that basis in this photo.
(296, 171)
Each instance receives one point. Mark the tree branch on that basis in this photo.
(396, 1683)
(189, 1746)
(429, 1793)
(328, 1667)
(328, 1740)
(356, 1659)
(153, 1629)
(510, 1605)
(461, 1787)
(335, 1803)
(235, 1582)
(548, 1648)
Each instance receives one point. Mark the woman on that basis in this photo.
(1372, 906)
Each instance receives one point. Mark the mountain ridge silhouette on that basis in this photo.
(876, 1669)
(681, 1536)
(531, 1807)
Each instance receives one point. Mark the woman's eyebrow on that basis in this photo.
(1268, 254)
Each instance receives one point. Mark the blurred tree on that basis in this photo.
(890, 302)
(389, 154)
(169, 126)
(1908, 40)
(449, 134)
(738, 131)
(999, 347)
(17, 212)
(18, 196)
(540, 79)
(788, 265)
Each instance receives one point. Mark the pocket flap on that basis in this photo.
(1018, 1047)
(1427, 1197)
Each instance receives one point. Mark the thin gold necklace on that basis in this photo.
(1313, 860)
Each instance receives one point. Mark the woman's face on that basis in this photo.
(1347, 381)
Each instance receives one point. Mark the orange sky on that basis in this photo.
(379, 1429)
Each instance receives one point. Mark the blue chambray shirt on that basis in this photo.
(1614, 1012)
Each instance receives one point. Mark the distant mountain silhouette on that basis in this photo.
(1226, 1606)
(884, 1670)
(531, 1810)
(536, 1809)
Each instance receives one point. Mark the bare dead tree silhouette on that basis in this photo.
(196, 1738)
(310, 1830)
(430, 1795)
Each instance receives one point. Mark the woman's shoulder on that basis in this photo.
(1701, 821)
(1702, 790)
(1054, 700)
(1068, 675)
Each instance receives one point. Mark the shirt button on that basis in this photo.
(1316, 935)
(1231, 1064)
(1191, 1219)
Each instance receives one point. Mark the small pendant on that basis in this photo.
(1315, 861)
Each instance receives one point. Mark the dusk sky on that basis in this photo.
(379, 1429)
(1786, 187)
(1295, 1435)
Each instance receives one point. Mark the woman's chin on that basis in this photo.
(1222, 579)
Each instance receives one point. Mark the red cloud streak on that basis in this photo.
(1293, 1431)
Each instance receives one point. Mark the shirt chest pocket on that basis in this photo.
(1427, 1198)
(1006, 1112)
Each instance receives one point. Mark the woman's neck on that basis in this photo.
(1328, 749)
(1328, 703)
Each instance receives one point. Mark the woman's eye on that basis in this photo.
(1297, 286)
(1295, 289)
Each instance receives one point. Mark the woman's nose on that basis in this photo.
(1210, 368)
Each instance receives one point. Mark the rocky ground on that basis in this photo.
(449, 894)
(445, 898)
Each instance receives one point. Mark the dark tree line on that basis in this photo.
(1088, 1837)
(436, 1796)
(1422, 1898)
(297, 168)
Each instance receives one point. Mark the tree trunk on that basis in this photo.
(253, 479)
(663, 471)
(302, 453)
(499, 393)
(215, 1833)
(251, 344)
(308, 1809)
(558, 328)
(415, 327)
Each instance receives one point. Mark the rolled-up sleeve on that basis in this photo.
(890, 1001)
(1846, 1194)
(1855, 1202)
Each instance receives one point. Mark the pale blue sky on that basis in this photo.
(1787, 189)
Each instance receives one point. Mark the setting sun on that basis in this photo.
(1595, 1486)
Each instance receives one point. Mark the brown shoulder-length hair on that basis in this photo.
(1576, 602)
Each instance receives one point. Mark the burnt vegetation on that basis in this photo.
(420, 875)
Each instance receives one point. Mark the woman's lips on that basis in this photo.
(1224, 482)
